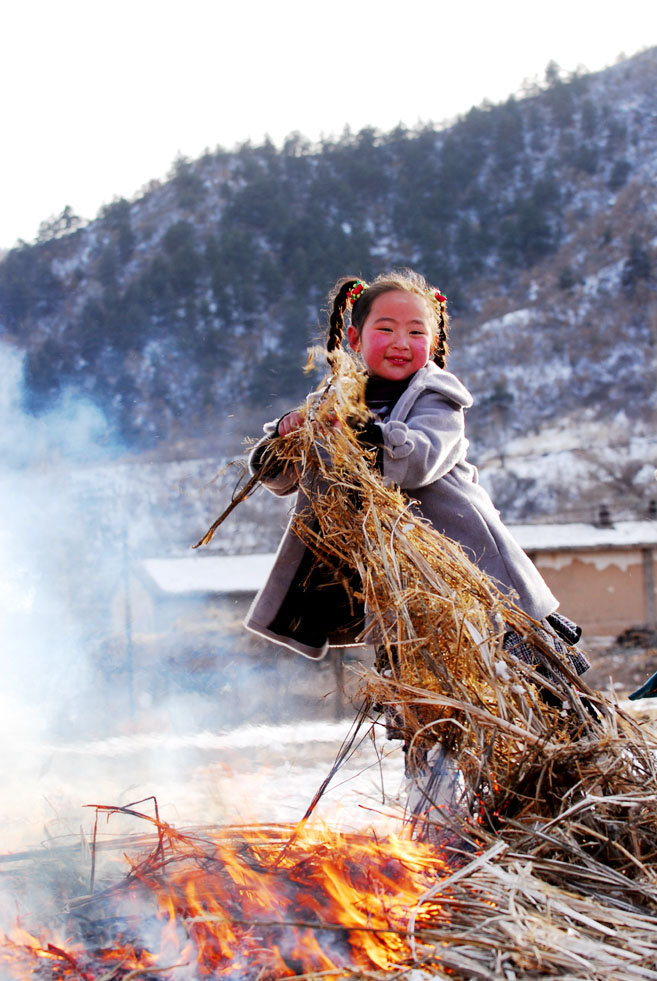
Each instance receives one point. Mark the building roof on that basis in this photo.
(194, 574)
(209, 573)
(580, 536)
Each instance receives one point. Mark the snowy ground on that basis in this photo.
(249, 774)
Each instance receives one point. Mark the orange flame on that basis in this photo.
(262, 902)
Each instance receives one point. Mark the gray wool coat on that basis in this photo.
(424, 453)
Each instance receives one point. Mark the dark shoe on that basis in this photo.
(647, 690)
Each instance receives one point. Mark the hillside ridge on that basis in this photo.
(195, 302)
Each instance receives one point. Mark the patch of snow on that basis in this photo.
(210, 574)
(254, 773)
(514, 319)
(576, 535)
(63, 267)
(606, 280)
(243, 737)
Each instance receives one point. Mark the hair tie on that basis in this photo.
(436, 296)
(356, 290)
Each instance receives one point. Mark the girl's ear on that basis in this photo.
(354, 339)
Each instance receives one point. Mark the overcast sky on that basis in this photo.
(98, 98)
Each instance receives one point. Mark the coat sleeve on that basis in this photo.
(427, 445)
(280, 481)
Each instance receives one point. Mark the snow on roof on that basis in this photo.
(210, 574)
(579, 535)
(247, 573)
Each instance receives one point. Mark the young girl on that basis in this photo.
(398, 327)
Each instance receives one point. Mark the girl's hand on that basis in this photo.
(333, 420)
(293, 420)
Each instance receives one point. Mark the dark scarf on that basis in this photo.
(381, 394)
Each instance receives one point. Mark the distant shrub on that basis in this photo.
(63, 224)
(28, 287)
(619, 174)
(586, 158)
(567, 278)
(638, 265)
(116, 217)
(186, 182)
(46, 369)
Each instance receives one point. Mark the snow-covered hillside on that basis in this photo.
(185, 314)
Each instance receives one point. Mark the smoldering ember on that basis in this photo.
(531, 854)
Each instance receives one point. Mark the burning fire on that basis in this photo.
(259, 902)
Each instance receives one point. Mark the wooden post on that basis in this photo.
(338, 673)
(649, 587)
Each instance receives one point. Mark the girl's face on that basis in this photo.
(397, 337)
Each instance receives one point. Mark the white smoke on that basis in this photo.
(72, 521)
(44, 668)
(81, 724)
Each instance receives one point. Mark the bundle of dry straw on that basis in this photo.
(574, 785)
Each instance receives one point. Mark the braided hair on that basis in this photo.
(336, 319)
(401, 280)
